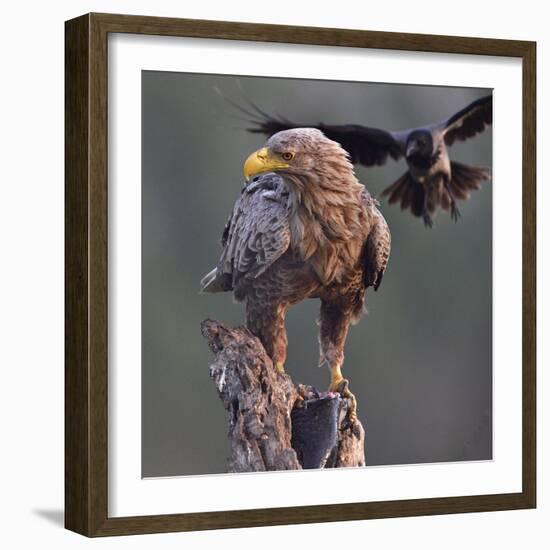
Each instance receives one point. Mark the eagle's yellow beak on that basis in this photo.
(261, 161)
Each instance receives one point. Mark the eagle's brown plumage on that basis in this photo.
(307, 229)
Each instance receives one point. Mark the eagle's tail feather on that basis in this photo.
(211, 282)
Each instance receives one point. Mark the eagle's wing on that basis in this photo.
(365, 145)
(377, 248)
(470, 121)
(256, 235)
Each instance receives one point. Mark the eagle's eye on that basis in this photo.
(287, 156)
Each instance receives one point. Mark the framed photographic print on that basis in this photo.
(247, 202)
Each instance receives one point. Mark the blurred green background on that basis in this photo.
(420, 362)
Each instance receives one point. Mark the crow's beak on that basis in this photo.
(412, 148)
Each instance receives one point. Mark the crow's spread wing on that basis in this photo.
(365, 145)
(469, 121)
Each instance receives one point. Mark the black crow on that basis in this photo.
(432, 179)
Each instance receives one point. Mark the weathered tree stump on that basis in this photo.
(273, 424)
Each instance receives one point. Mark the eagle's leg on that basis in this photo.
(267, 322)
(334, 323)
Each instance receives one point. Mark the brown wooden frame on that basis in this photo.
(86, 274)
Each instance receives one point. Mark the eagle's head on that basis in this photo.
(300, 153)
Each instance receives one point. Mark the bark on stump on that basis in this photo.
(273, 424)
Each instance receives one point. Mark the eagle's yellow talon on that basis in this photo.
(353, 407)
(337, 381)
(339, 384)
(280, 367)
